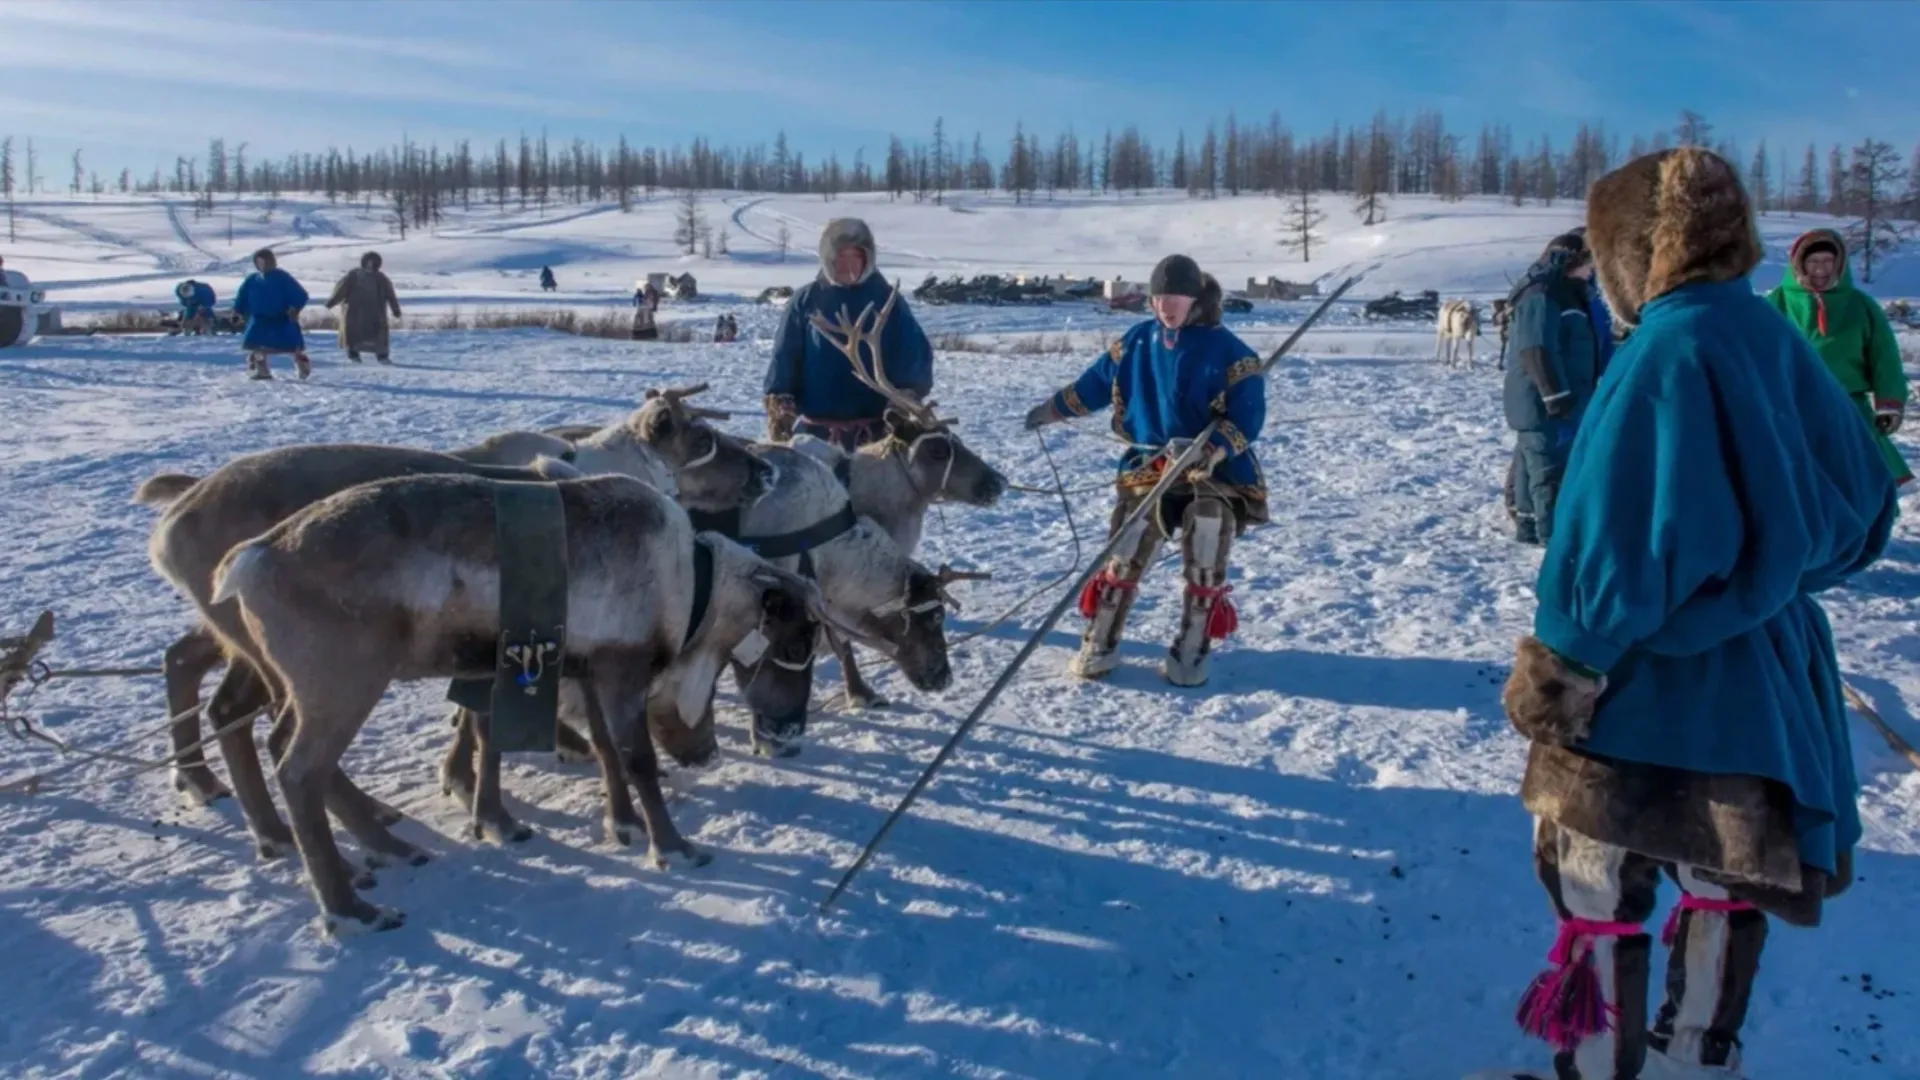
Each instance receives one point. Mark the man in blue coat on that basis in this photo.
(196, 306)
(1680, 689)
(270, 300)
(810, 384)
(1165, 381)
(1556, 366)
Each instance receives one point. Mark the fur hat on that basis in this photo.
(371, 260)
(265, 255)
(1176, 275)
(1668, 219)
(846, 232)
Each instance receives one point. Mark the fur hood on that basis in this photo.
(1802, 247)
(1667, 219)
(1206, 308)
(846, 232)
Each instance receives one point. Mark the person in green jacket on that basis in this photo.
(1850, 333)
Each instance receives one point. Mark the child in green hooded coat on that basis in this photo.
(1850, 333)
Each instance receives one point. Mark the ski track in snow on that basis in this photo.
(1314, 868)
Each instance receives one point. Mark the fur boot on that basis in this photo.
(1110, 595)
(1206, 613)
(1716, 943)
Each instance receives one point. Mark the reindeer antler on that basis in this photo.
(947, 575)
(676, 399)
(848, 336)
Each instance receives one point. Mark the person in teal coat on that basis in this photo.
(1680, 689)
(1165, 381)
(270, 300)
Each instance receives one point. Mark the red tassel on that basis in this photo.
(1820, 314)
(1564, 1005)
(1097, 588)
(1222, 618)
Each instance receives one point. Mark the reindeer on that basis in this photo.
(919, 463)
(399, 579)
(1459, 321)
(200, 523)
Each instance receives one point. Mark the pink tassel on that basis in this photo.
(1690, 902)
(1564, 1005)
(1097, 588)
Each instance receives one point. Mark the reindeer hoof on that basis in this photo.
(505, 830)
(362, 918)
(621, 832)
(686, 856)
(269, 848)
(869, 700)
(198, 786)
(386, 813)
(363, 879)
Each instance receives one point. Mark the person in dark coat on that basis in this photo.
(646, 301)
(270, 300)
(368, 295)
(810, 385)
(1556, 367)
(546, 279)
(1166, 381)
(1680, 692)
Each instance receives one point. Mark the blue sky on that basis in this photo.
(137, 83)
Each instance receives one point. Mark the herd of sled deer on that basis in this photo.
(321, 574)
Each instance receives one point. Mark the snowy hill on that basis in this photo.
(1316, 868)
(119, 250)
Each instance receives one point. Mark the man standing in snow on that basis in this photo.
(270, 300)
(1166, 380)
(1850, 332)
(1556, 367)
(369, 297)
(1680, 689)
(810, 385)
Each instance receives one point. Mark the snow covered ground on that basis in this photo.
(1314, 868)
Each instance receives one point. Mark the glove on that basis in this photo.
(1041, 415)
(1887, 415)
(1548, 699)
(782, 412)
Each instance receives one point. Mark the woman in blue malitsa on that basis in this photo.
(1166, 381)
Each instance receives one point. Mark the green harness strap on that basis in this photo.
(521, 703)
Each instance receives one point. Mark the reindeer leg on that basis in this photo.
(456, 768)
(621, 820)
(859, 694)
(364, 804)
(491, 822)
(241, 694)
(187, 662)
(663, 837)
(307, 769)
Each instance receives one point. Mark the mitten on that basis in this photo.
(1887, 415)
(1547, 698)
(782, 412)
(1041, 415)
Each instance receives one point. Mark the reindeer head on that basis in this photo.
(766, 622)
(912, 627)
(714, 470)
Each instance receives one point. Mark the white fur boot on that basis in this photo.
(1109, 597)
(1206, 613)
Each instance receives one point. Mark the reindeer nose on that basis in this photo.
(990, 489)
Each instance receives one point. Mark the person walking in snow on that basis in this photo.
(646, 301)
(1850, 332)
(1680, 689)
(1556, 366)
(270, 300)
(546, 279)
(810, 385)
(1165, 381)
(196, 306)
(368, 295)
